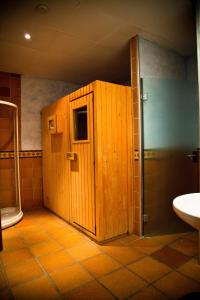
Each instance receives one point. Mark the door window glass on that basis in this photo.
(80, 123)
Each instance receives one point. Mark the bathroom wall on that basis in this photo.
(30, 94)
(175, 71)
(36, 94)
(191, 68)
(158, 62)
(10, 90)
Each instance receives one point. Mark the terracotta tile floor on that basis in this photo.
(45, 258)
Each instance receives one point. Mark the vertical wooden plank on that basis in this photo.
(56, 184)
(113, 160)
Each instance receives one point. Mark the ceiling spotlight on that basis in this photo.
(42, 8)
(27, 36)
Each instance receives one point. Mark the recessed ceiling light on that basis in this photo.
(27, 36)
(42, 8)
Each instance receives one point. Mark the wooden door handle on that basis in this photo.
(71, 155)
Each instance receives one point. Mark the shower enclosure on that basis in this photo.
(10, 197)
(170, 150)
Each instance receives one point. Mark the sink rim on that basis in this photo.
(181, 204)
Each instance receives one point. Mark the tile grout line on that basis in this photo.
(86, 240)
(50, 279)
(79, 262)
(188, 277)
(75, 261)
(93, 279)
(7, 286)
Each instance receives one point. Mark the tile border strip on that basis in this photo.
(22, 154)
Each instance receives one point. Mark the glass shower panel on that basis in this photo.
(8, 189)
(16, 161)
(10, 199)
(170, 134)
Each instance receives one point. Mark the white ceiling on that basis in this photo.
(83, 40)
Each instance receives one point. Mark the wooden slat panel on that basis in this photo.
(113, 176)
(55, 165)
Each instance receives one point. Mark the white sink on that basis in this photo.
(187, 207)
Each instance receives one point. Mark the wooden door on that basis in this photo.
(82, 162)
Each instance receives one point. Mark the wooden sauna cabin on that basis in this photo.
(87, 159)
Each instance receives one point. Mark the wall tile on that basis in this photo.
(31, 173)
(136, 134)
(31, 183)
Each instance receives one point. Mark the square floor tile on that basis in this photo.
(193, 236)
(36, 237)
(44, 248)
(31, 229)
(185, 246)
(191, 269)
(92, 290)
(146, 245)
(100, 265)
(59, 232)
(24, 222)
(10, 233)
(49, 226)
(122, 253)
(13, 243)
(170, 257)
(129, 239)
(175, 285)
(70, 240)
(149, 293)
(70, 278)
(83, 251)
(166, 238)
(15, 256)
(23, 272)
(50, 220)
(39, 288)
(2, 281)
(57, 260)
(149, 269)
(122, 283)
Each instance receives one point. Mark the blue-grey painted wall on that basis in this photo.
(37, 93)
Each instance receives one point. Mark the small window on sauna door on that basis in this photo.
(81, 123)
